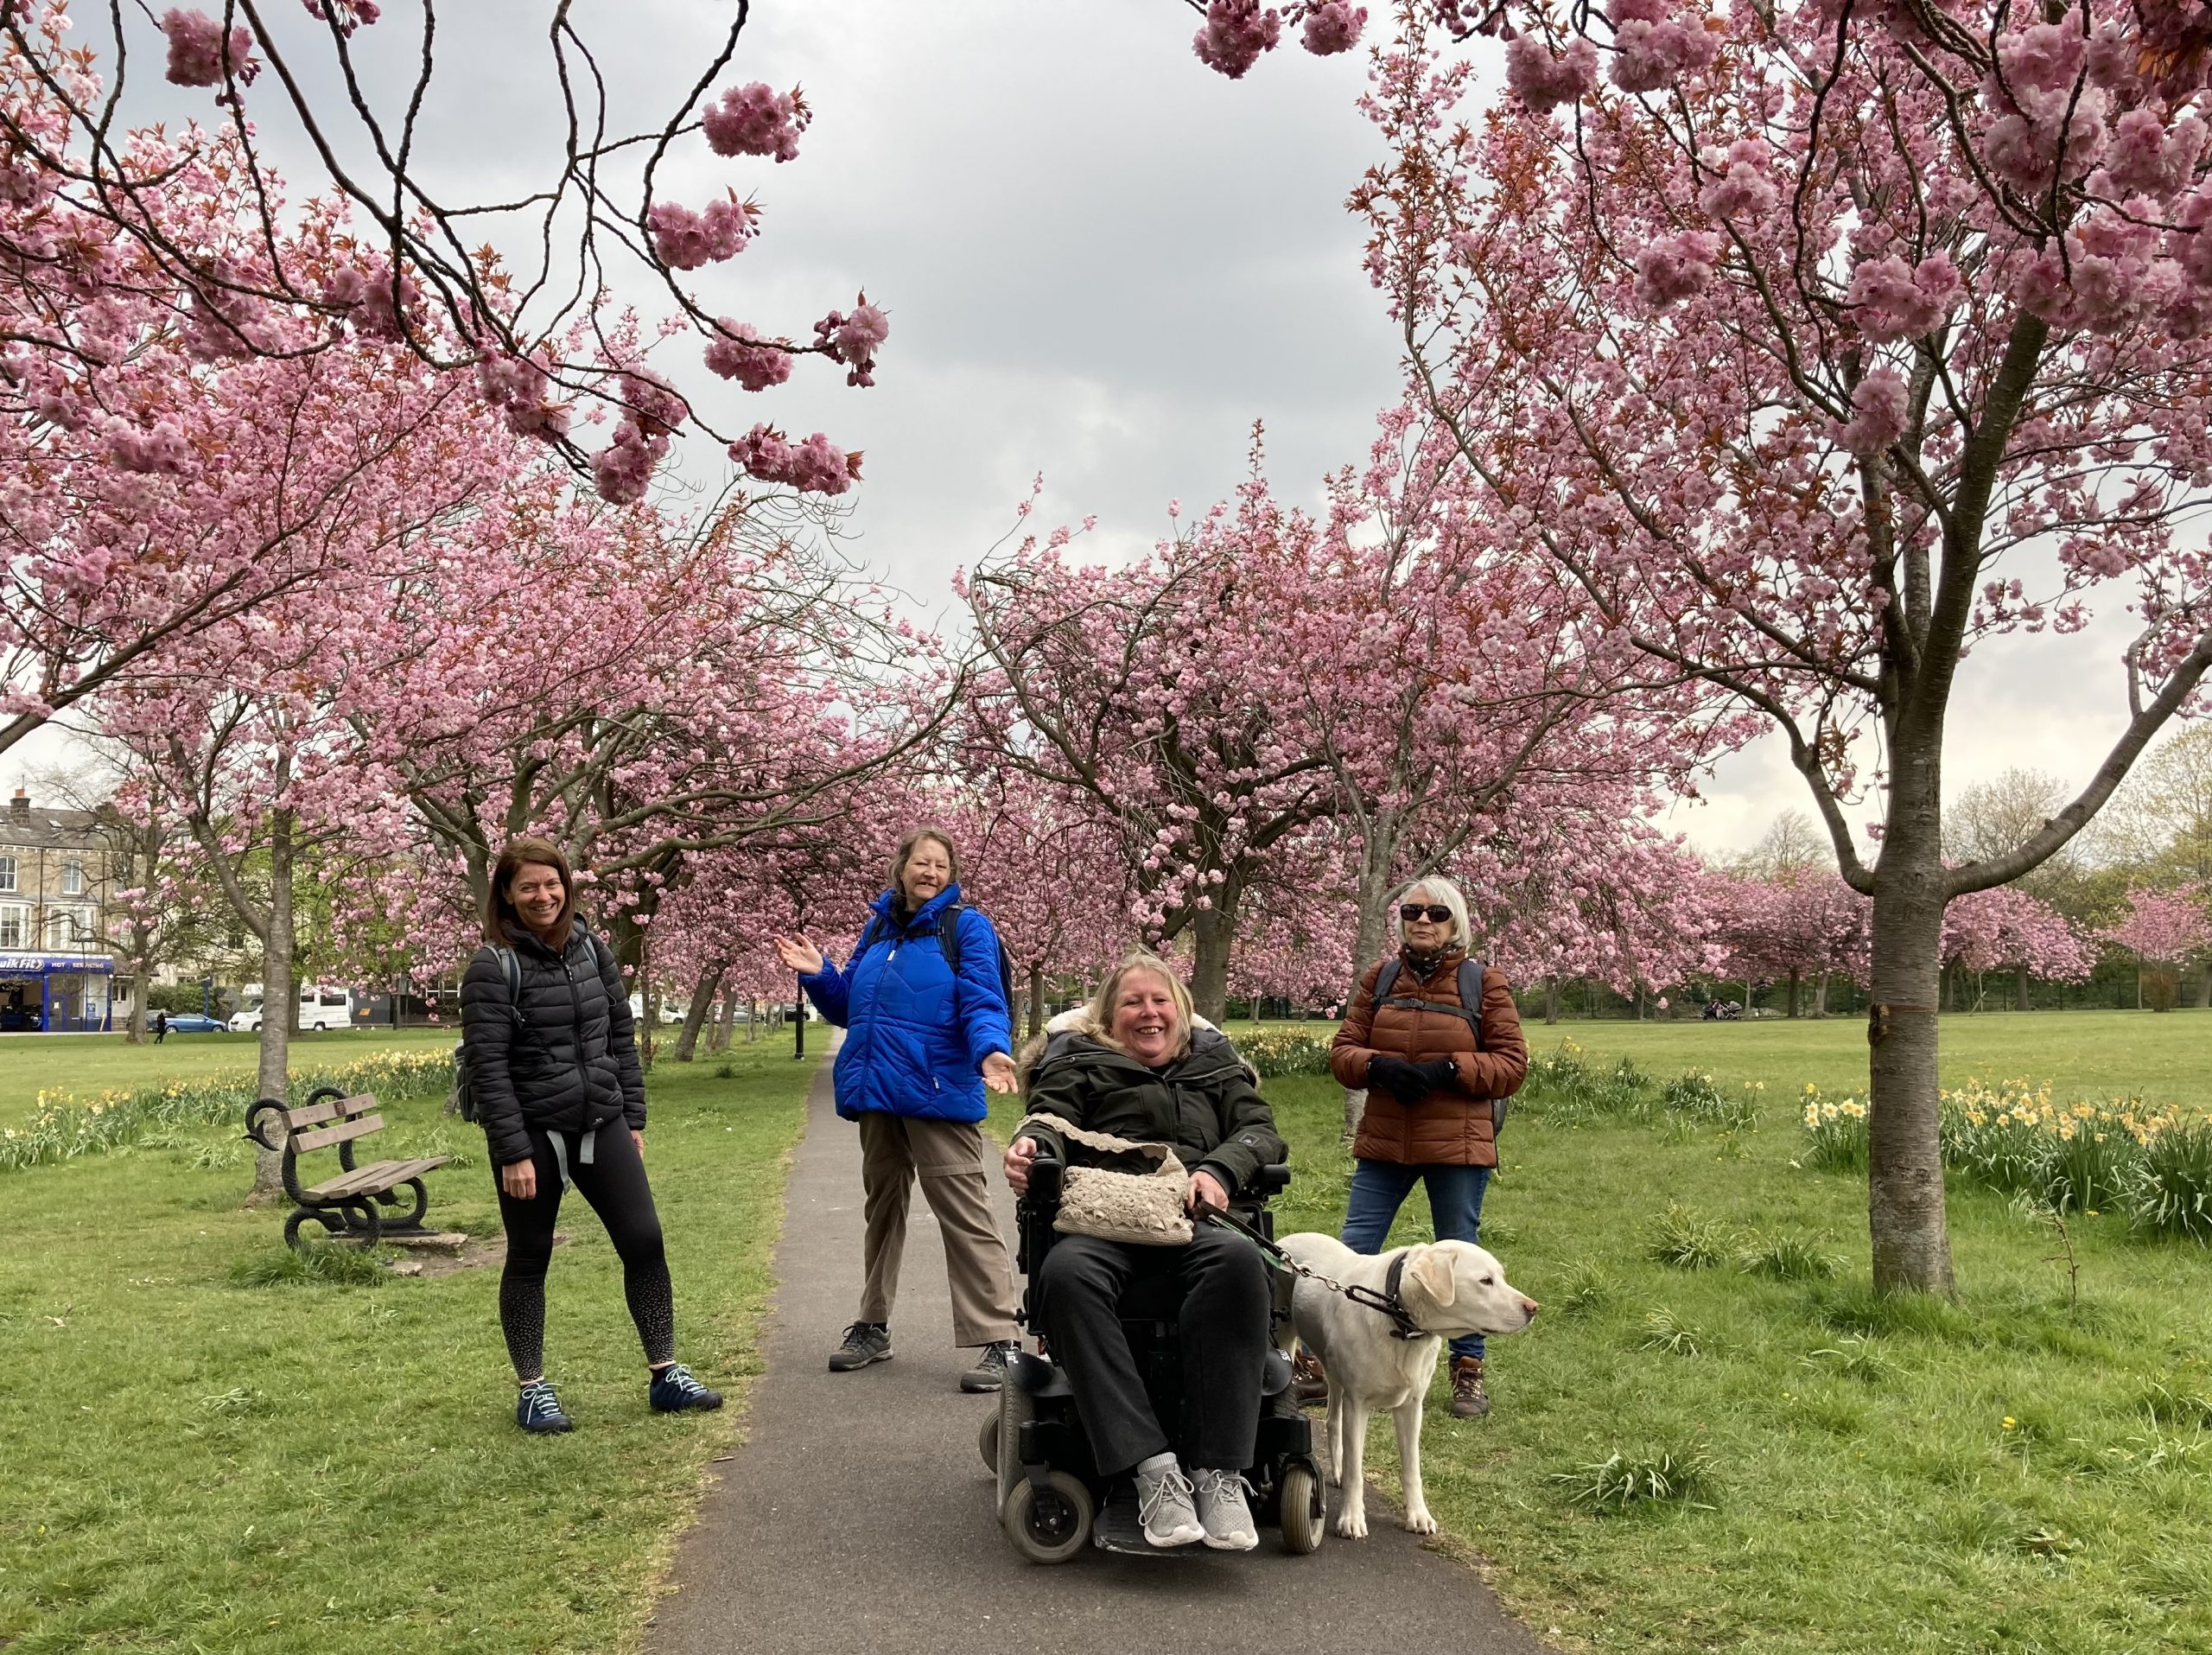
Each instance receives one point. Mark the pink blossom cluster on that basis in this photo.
(1333, 25)
(1739, 189)
(1879, 404)
(1892, 300)
(199, 54)
(686, 240)
(816, 466)
(364, 292)
(523, 391)
(160, 449)
(1676, 267)
(1653, 48)
(1541, 82)
(756, 120)
(2046, 110)
(1235, 34)
(2167, 927)
(735, 352)
(623, 470)
(853, 339)
(652, 402)
(350, 14)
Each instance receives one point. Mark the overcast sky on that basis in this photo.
(1102, 262)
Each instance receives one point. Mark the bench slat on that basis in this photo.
(297, 1119)
(324, 1135)
(375, 1180)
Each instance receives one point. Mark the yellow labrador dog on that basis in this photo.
(1446, 1287)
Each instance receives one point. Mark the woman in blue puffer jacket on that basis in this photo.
(925, 1035)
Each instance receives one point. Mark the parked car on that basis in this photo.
(194, 1022)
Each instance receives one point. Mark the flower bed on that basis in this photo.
(64, 1126)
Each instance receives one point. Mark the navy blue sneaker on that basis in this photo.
(538, 1410)
(674, 1390)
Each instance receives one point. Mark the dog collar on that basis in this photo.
(1402, 1326)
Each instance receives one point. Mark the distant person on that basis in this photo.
(924, 1041)
(553, 1066)
(1434, 1057)
(161, 1026)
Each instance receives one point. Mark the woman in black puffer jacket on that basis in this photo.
(552, 1061)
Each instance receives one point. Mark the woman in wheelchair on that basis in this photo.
(1132, 1068)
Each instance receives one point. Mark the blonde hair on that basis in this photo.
(1100, 1012)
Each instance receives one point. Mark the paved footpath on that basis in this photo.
(858, 1515)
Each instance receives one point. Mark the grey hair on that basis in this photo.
(1439, 890)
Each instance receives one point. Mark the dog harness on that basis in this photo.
(1389, 1302)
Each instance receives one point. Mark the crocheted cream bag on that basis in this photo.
(1145, 1208)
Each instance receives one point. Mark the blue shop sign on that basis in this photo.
(40, 963)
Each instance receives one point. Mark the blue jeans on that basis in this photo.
(1379, 1188)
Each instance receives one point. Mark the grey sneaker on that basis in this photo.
(1224, 1512)
(1164, 1503)
(864, 1342)
(990, 1372)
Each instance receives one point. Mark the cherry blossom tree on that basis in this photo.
(1821, 346)
(2007, 928)
(2163, 928)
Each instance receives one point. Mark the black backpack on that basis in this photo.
(948, 942)
(1470, 1007)
(462, 1101)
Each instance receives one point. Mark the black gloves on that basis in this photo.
(1409, 1082)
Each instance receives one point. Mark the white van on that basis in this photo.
(320, 1007)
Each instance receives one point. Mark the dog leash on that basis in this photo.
(1387, 1302)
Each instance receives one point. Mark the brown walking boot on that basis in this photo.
(1309, 1382)
(1469, 1399)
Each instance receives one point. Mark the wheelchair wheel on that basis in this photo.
(1303, 1519)
(989, 1442)
(1051, 1526)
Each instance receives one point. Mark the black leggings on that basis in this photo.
(614, 1184)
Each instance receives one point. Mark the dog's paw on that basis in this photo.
(1351, 1525)
(1418, 1522)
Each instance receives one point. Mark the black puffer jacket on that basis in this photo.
(569, 1064)
(1205, 1104)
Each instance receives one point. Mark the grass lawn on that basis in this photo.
(2001, 1474)
(195, 1464)
(88, 1063)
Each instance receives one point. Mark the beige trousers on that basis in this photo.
(949, 1157)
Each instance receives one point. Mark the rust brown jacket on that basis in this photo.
(1451, 1126)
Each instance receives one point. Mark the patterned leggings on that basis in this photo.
(614, 1184)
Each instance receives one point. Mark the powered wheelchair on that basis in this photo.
(1052, 1500)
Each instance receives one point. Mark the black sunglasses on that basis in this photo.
(1435, 911)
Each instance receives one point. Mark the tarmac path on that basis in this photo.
(858, 1515)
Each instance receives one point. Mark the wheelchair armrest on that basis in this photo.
(1269, 1181)
(1044, 1192)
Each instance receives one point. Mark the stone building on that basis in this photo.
(56, 971)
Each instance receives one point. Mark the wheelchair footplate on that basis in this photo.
(1119, 1528)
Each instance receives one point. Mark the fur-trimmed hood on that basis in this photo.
(1062, 1031)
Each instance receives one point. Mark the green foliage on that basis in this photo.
(1684, 1240)
(1627, 1480)
(1787, 1258)
(1855, 1356)
(1294, 1049)
(1588, 1287)
(2169, 1188)
(725, 1072)
(1665, 1331)
(322, 1264)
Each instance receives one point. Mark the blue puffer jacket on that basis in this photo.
(915, 1038)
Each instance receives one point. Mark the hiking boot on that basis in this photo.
(1224, 1511)
(1309, 1381)
(990, 1372)
(1469, 1399)
(864, 1342)
(1164, 1503)
(538, 1410)
(674, 1389)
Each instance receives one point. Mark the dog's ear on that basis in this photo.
(1431, 1268)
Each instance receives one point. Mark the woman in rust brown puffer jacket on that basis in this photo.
(1433, 1069)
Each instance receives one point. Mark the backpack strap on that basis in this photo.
(511, 968)
(947, 936)
(1470, 1009)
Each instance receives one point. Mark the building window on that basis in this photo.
(72, 879)
(14, 924)
(68, 930)
(6, 873)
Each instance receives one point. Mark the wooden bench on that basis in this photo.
(345, 1205)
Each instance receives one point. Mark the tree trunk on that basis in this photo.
(702, 1002)
(1214, 933)
(1036, 998)
(2204, 989)
(279, 1008)
(1372, 940)
(1821, 996)
(1796, 980)
(719, 1040)
(2020, 1002)
(1551, 999)
(1905, 1217)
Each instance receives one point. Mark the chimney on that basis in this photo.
(19, 807)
